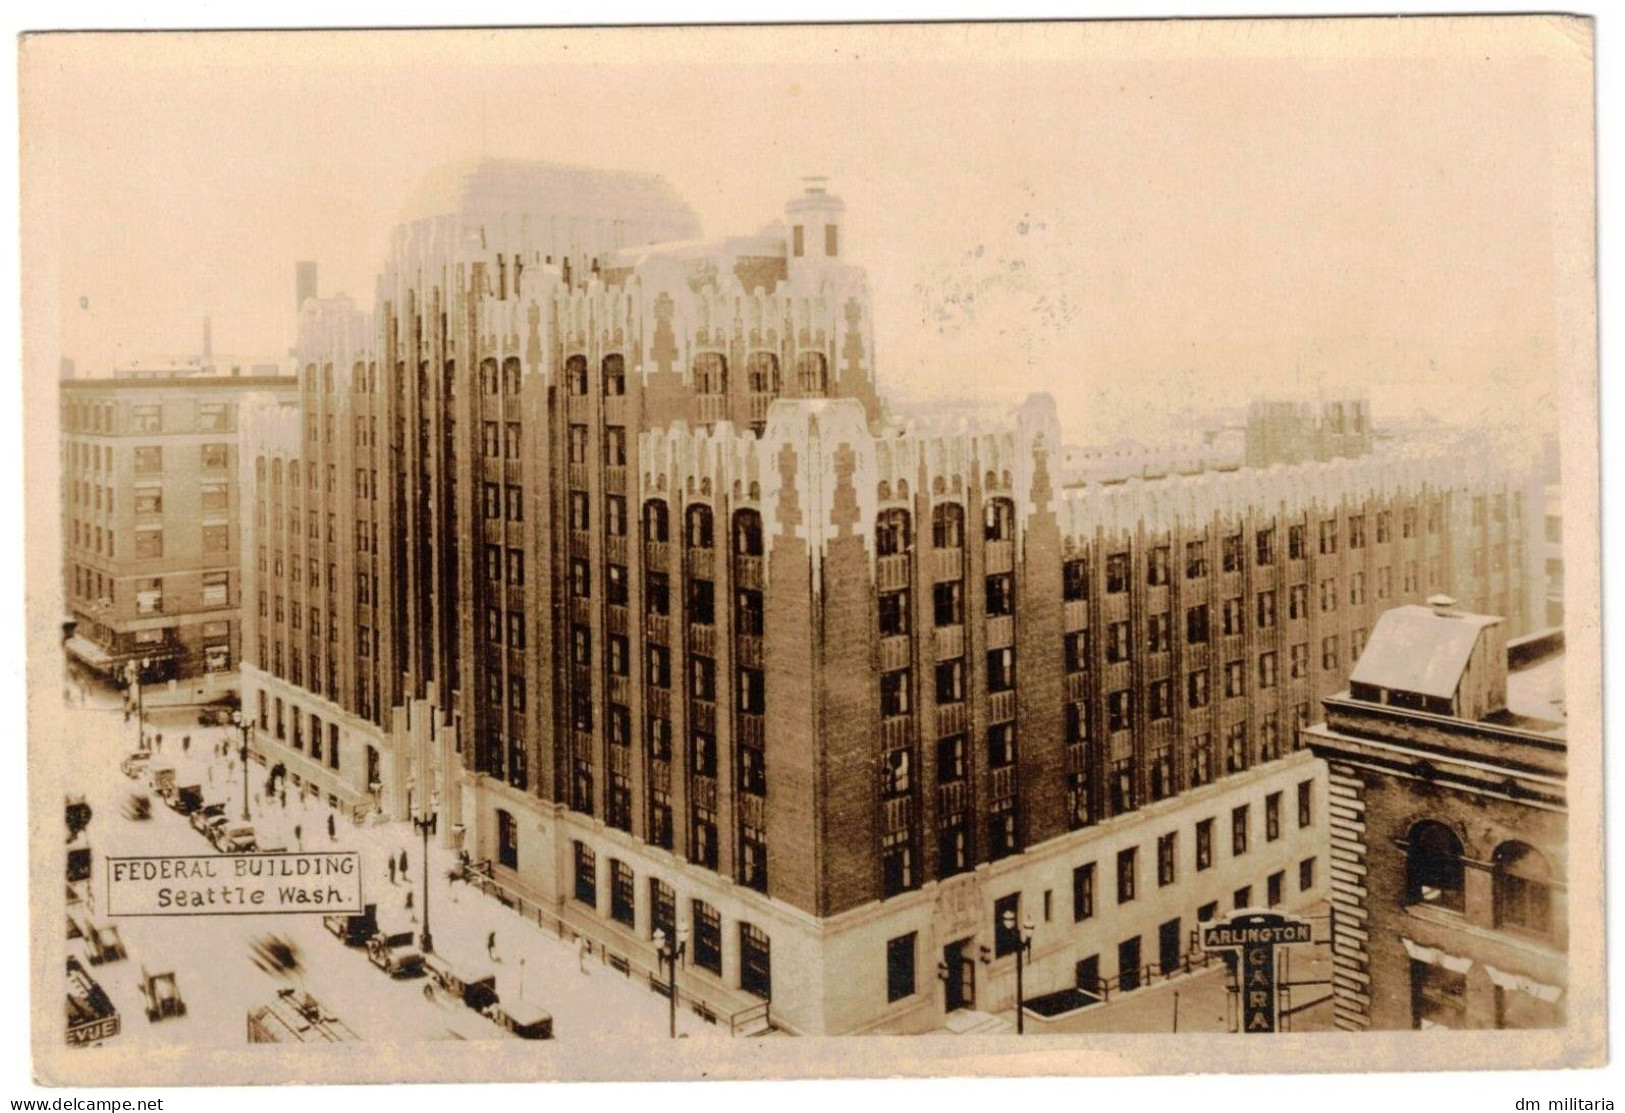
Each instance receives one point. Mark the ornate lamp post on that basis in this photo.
(243, 726)
(426, 823)
(137, 676)
(670, 954)
(1024, 943)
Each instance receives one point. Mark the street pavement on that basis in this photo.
(213, 956)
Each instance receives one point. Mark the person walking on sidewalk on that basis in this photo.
(392, 869)
(404, 874)
(491, 947)
(299, 836)
(186, 743)
(332, 829)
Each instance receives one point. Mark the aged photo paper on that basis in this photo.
(843, 550)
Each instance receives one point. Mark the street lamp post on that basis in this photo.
(137, 675)
(1024, 943)
(670, 955)
(243, 726)
(425, 823)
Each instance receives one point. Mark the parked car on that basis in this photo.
(207, 816)
(474, 986)
(234, 838)
(135, 764)
(354, 928)
(395, 952)
(187, 799)
(214, 716)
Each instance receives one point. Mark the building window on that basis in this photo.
(894, 612)
(1161, 699)
(1238, 830)
(622, 900)
(614, 367)
(701, 602)
(948, 603)
(1001, 595)
(1438, 997)
(1264, 540)
(1201, 760)
(900, 967)
(1275, 888)
(1001, 670)
(1195, 560)
(1266, 671)
(1204, 844)
(892, 535)
(1077, 651)
(950, 681)
(1306, 804)
(1127, 863)
(1196, 624)
(951, 759)
(896, 864)
(1523, 895)
(1272, 817)
(1297, 542)
(755, 962)
(1235, 679)
(1167, 858)
(1157, 563)
(1433, 867)
(586, 875)
(657, 593)
(1231, 552)
(1120, 710)
(1266, 610)
(1117, 573)
(948, 526)
(1328, 537)
(1117, 642)
(1001, 745)
(896, 696)
(1196, 689)
(1328, 652)
(507, 840)
(707, 937)
(1006, 939)
(699, 527)
(1083, 892)
(999, 520)
(1074, 581)
(1306, 875)
(1159, 636)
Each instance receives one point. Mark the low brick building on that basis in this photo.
(1449, 827)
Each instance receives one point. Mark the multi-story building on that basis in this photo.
(150, 520)
(1448, 812)
(1292, 431)
(600, 545)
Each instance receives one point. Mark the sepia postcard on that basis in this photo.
(795, 551)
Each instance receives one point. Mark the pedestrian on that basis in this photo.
(210, 771)
(284, 795)
(583, 949)
(299, 836)
(491, 947)
(404, 874)
(332, 829)
(186, 743)
(160, 742)
(392, 869)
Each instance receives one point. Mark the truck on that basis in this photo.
(207, 817)
(393, 949)
(354, 928)
(234, 838)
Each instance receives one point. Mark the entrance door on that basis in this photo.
(961, 973)
(1168, 947)
(1088, 975)
(1128, 964)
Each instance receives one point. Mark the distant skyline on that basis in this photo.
(1136, 235)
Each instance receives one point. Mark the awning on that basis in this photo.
(88, 651)
(1420, 952)
(1521, 984)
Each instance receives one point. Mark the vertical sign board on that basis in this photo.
(1254, 937)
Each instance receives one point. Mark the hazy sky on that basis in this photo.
(1133, 218)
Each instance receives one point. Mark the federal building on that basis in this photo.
(594, 538)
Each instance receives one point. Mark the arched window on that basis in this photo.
(892, 534)
(1523, 894)
(948, 526)
(812, 374)
(575, 374)
(1433, 870)
(656, 523)
(614, 375)
(699, 526)
(1001, 520)
(762, 372)
(488, 376)
(748, 533)
(710, 373)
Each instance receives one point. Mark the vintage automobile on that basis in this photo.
(78, 863)
(135, 764)
(77, 814)
(103, 944)
(138, 806)
(354, 928)
(187, 799)
(475, 987)
(215, 715)
(162, 994)
(207, 817)
(527, 1021)
(393, 949)
(234, 838)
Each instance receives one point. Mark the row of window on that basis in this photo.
(209, 417)
(287, 724)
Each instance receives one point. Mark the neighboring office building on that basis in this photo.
(611, 551)
(1290, 431)
(1449, 827)
(150, 520)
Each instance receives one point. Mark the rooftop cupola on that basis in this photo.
(814, 220)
